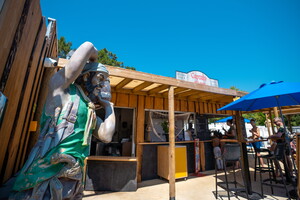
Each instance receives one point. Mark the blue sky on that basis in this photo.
(240, 43)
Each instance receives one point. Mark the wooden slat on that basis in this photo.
(113, 97)
(18, 69)
(123, 83)
(205, 106)
(41, 83)
(149, 102)
(141, 86)
(197, 107)
(32, 109)
(210, 109)
(214, 108)
(39, 98)
(9, 22)
(25, 106)
(122, 100)
(191, 106)
(132, 100)
(183, 106)
(177, 105)
(140, 134)
(201, 104)
(166, 104)
(158, 103)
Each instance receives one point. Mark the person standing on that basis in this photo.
(230, 133)
(255, 136)
(217, 150)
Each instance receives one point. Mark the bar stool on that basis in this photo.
(257, 165)
(279, 155)
(231, 154)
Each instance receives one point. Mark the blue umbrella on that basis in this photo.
(225, 120)
(274, 94)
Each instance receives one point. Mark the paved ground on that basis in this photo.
(191, 189)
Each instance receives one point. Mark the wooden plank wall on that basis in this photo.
(22, 52)
(158, 103)
(140, 103)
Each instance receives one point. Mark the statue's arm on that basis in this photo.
(63, 78)
(105, 129)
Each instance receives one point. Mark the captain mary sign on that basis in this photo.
(196, 77)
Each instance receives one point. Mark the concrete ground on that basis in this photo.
(191, 189)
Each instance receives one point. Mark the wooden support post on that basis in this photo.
(244, 156)
(268, 124)
(272, 122)
(140, 134)
(276, 112)
(172, 144)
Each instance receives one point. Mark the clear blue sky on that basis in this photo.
(239, 43)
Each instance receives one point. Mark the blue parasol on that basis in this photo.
(274, 94)
(225, 120)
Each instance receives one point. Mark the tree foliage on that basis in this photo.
(295, 120)
(104, 56)
(63, 47)
(108, 58)
(259, 117)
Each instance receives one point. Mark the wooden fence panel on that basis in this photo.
(21, 122)
(18, 70)
(8, 28)
(41, 88)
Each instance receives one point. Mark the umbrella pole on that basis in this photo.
(287, 139)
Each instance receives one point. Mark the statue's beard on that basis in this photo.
(94, 92)
(91, 89)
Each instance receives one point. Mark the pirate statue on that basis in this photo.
(54, 169)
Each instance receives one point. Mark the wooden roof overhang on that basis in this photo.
(140, 83)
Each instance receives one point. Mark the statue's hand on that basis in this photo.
(94, 55)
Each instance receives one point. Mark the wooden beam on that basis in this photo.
(176, 91)
(188, 93)
(158, 89)
(141, 86)
(122, 83)
(171, 145)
